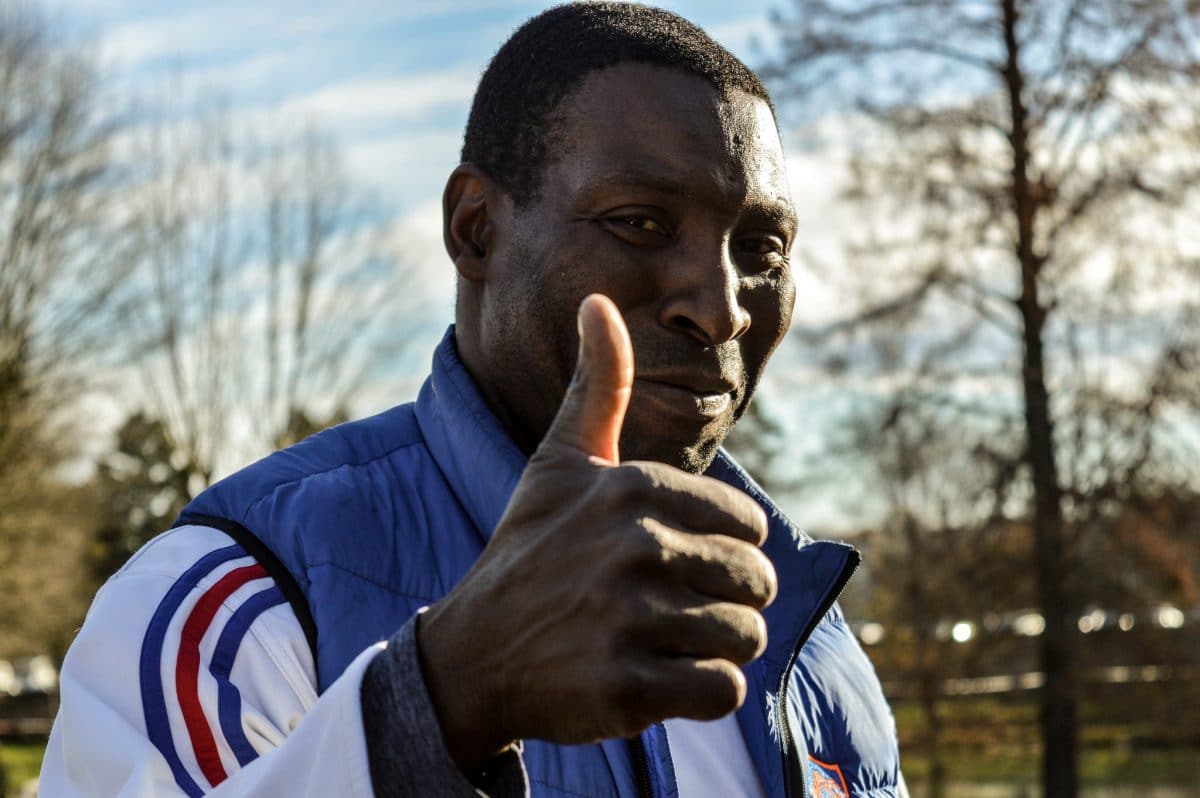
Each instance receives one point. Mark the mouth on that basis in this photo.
(699, 399)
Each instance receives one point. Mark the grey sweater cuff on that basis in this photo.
(407, 756)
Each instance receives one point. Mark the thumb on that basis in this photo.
(590, 416)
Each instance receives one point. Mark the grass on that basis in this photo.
(1143, 767)
(21, 761)
(1181, 768)
(1113, 764)
(995, 739)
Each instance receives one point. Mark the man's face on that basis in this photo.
(673, 201)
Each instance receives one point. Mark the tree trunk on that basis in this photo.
(928, 668)
(1057, 695)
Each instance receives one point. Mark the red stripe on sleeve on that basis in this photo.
(187, 668)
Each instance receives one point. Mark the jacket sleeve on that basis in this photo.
(191, 676)
(404, 763)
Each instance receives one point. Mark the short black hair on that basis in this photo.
(512, 116)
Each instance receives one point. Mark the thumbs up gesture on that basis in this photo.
(612, 595)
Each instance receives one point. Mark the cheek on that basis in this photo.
(769, 299)
(554, 293)
(787, 304)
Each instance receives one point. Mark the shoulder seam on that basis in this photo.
(389, 588)
(159, 540)
(418, 441)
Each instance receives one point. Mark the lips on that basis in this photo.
(698, 396)
(698, 382)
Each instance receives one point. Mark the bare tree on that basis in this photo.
(63, 269)
(757, 441)
(140, 487)
(271, 294)
(943, 553)
(61, 285)
(1022, 168)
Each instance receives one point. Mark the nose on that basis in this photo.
(701, 299)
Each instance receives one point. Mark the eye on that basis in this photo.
(644, 223)
(640, 227)
(770, 249)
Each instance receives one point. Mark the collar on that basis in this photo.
(480, 462)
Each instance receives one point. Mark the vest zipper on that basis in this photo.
(641, 767)
(793, 768)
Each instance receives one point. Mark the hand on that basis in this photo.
(611, 596)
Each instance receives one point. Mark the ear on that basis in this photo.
(468, 204)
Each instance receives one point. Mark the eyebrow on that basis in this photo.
(781, 212)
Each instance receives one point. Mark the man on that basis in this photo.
(589, 558)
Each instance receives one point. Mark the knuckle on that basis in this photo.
(716, 493)
(628, 480)
(749, 572)
(650, 547)
(656, 475)
(749, 632)
(633, 616)
(748, 515)
(759, 524)
(753, 518)
(764, 582)
(632, 692)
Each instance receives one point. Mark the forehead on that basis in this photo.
(652, 124)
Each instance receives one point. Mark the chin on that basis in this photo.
(693, 456)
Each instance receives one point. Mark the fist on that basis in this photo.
(612, 595)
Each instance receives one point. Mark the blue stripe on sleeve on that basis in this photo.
(229, 700)
(154, 703)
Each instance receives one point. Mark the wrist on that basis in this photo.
(462, 693)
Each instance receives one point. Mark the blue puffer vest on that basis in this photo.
(379, 517)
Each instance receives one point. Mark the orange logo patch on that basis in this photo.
(827, 780)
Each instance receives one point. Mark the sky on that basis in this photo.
(392, 81)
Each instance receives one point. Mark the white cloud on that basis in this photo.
(210, 29)
(408, 98)
(265, 70)
(415, 239)
(411, 167)
(416, 236)
(190, 33)
(818, 254)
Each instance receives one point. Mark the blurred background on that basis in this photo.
(220, 231)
